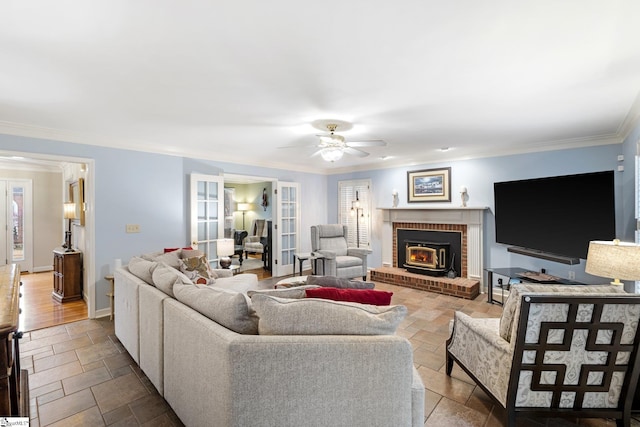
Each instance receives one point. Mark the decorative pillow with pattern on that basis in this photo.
(197, 269)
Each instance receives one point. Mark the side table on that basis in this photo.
(311, 256)
(110, 294)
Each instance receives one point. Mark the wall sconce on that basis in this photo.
(244, 207)
(70, 214)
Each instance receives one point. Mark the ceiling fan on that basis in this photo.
(333, 146)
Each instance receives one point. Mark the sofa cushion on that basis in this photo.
(309, 316)
(363, 296)
(197, 269)
(336, 282)
(164, 277)
(142, 269)
(227, 308)
(511, 305)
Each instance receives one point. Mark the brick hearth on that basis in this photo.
(458, 287)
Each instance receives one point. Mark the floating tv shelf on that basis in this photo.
(544, 255)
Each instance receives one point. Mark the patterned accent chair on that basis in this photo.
(556, 351)
(339, 260)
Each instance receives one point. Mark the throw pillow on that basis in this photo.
(190, 253)
(164, 277)
(227, 308)
(167, 250)
(363, 296)
(142, 269)
(335, 282)
(281, 316)
(294, 293)
(197, 269)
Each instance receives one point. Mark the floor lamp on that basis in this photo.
(359, 213)
(244, 207)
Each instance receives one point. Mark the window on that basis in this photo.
(354, 211)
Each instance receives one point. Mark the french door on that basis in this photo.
(287, 227)
(16, 223)
(207, 213)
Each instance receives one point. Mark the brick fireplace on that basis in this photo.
(466, 221)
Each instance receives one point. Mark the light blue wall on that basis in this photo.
(153, 190)
(478, 176)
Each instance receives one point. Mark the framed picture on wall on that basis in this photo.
(429, 185)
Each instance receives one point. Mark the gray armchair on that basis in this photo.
(330, 240)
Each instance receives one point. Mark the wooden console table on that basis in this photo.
(14, 382)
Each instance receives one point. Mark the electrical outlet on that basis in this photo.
(133, 228)
(572, 275)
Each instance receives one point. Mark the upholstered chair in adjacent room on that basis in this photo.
(254, 242)
(340, 260)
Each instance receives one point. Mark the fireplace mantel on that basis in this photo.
(472, 217)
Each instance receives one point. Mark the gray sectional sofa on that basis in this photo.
(212, 375)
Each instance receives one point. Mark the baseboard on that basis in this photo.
(103, 312)
(43, 269)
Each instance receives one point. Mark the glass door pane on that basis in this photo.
(287, 230)
(207, 209)
(17, 222)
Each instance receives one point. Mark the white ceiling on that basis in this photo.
(235, 80)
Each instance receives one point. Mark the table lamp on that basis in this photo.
(614, 259)
(225, 248)
(70, 214)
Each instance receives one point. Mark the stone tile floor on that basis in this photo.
(80, 375)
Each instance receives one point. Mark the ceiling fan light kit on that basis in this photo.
(332, 146)
(332, 154)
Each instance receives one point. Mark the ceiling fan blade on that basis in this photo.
(314, 144)
(355, 152)
(367, 143)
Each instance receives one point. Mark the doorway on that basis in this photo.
(16, 223)
(44, 229)
(274, 201)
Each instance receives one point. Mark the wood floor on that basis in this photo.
(39, 310)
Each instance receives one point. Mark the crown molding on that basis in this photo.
(631, 120)
(41, 132)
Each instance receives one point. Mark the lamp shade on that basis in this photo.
(69, 211)
(244, 207)
(614, 259)
(225, 247)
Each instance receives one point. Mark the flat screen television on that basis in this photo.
(556, 215)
